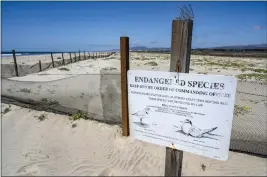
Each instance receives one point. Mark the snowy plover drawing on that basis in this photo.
(189, 129)
(142, 114)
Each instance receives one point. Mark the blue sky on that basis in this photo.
(68, 26)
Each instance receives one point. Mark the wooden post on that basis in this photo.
(181, 46)
(180, 62)
(63, 59)
(124, 49)
(84, 55)
(15, 63)
(70, 58)
(53, 64)
(40, 65)
(75, 57)
(79, 56)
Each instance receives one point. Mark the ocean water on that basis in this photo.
(8, 54)
(26, 53)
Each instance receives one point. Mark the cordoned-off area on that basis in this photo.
(99, 95)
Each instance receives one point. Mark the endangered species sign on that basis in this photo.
(189, 112)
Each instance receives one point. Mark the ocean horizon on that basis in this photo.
(7, 54)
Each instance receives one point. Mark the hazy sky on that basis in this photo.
(64, 26)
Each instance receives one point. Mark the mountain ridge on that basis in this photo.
(237, 47)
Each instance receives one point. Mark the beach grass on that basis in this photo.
(25, 90)
(152, 63)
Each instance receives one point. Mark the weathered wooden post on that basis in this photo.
(79, 56)
(53, 64)
(63, 59)
(15, 63)
(40, 65)
(180, 62)
(75, 58)
(124, 50)
(70, 58)
(84, 55)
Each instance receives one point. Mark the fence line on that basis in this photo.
(25, 69)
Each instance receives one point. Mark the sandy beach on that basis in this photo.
(54, 146)
(244, 68)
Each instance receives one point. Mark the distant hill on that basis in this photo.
(237, 47)
(144, 48)
(242, 47)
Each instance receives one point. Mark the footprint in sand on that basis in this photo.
(28, 170)
(114, 172)
(36, 156)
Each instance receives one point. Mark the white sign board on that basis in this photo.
(189, 112)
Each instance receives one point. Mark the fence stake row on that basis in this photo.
(100, 54)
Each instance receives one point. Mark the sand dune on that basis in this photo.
(150, 61)
(83, 86)
(54, 147)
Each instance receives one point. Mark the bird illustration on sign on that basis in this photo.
(187, 128)
(142, 114)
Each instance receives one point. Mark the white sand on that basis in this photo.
(144, 61)
(92, 66)
(53, 147)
